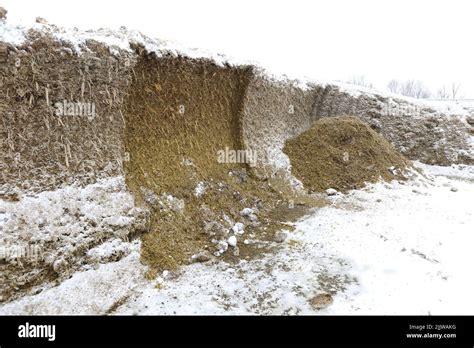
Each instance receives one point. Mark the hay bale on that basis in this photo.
(343, 153)
(42, 150)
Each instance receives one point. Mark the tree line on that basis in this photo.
(413, 88)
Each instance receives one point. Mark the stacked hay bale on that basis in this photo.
(42, 148)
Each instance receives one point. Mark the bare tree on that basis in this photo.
(420, 90)
(443, 93)
(360, 80)
(455, 89)
(394, 86)
(451, 92)
(409, 88)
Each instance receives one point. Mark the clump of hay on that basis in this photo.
(343, 153)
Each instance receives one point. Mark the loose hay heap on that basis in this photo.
(343, 153)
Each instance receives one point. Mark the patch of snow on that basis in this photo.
(455, 171)
(92, 291)
(110, 251)
(175, 204)
(222, 247)
(232, 241)
(249, 214)
(238, 228)
(12, 34)
(246, 211)
(200, 189)
(391, 248)
(63, 224)
(118, 221)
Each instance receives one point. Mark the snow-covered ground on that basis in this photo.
(398, 248)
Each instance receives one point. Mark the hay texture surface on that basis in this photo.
(41, 150)
(343, 153)
(179, 114)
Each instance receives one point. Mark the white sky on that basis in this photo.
(432, 41)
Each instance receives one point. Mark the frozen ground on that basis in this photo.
(388, 249)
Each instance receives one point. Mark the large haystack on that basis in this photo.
(342, 153)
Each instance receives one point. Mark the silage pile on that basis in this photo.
(343, 153)
(160, 121)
